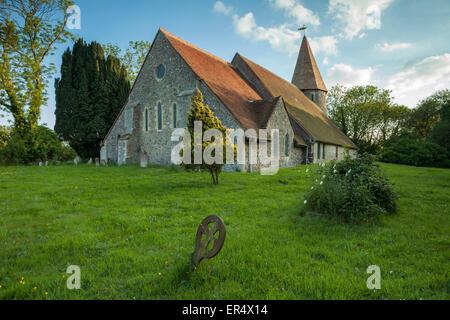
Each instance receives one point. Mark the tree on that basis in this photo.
(5, 133)
(366, 114)
(441, 131)
(200, 112)
(29, 31)
(89, 95)
(427, 113)
(132, 59)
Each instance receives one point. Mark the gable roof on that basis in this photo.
(263, 109)
(312, 119)
(306, 74)
(219, 75)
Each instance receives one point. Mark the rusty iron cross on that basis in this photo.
(209, 240)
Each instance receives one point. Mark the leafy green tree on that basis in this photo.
(366, 114)
(133, 58)
(441, 131)
(29, 31)
(425, 116)
(89, 95)
(201, 112)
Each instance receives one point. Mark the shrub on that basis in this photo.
(40, 145)
(416, 152)
(351, 189)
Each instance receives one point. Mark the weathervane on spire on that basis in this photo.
(303, 29)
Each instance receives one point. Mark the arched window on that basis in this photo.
(146, 119)
(286, 145)
(174, 115)
(159, 116)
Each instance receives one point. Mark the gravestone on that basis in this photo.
(143, 160)
(40, 164)
(209, 240)
(77, 160)
(97, 162)
(90, 161)
(103, 163)
(46, 163)
(103, 156)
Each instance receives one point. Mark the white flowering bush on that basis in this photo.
(353, 188)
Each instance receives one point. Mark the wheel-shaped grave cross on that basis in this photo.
(209, 240)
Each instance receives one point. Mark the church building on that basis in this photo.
(241, 93)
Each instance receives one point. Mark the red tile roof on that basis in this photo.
(239, 96)
(220, 76)
(302, 109)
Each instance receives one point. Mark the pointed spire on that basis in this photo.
(306, 74)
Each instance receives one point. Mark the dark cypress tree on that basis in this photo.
(89, 96)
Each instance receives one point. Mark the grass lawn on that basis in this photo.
(132, 231)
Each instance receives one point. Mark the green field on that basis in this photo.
(132, 230)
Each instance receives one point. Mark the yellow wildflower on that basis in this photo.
(159, 273)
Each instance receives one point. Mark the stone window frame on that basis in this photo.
(159, 107)
(155, 72)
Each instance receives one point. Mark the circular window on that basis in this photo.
(160, 71)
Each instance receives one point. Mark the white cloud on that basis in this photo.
(325, 61)
(281, 38)
(386, 47)
(220, 7)
(327, 44)
(356, 16)
(294, 9)
(347, 75)
(420, 80)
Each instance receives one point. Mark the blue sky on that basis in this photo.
(401, 45)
